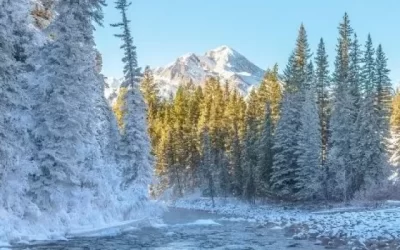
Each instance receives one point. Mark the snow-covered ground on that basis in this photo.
(353, 222)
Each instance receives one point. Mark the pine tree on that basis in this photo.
(383, 91)
(235, 121)
(368, 151)
(342, 120)
(302, 56)
(16, 146)
(265, 151)
(118, 107)
(131, 70)
(285, 146)
(250, 160)
(355, 73)
(151, 95)
(67, 81)
(368, 72)
(297, 78)
(207, 164)
(322, 88)
(394, 146)
(309, 176)
(270, 91)
(135, 147)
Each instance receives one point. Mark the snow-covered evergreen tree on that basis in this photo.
(368, 151)
(342, 120)
(16, 148)
(297, 78)
(285, 144)
(383, 91)
(322, 87)
(355, 74)
(67, 85)
(309, 175)
(135, 148)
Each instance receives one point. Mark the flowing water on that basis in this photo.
(187, 229)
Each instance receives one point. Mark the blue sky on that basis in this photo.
(262, 30)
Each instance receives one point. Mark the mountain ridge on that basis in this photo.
(222, 62)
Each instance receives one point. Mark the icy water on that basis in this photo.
(186, 229)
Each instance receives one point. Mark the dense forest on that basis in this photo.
(309, 133)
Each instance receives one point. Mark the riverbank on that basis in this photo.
(362, 226)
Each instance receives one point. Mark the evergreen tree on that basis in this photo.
(151, 94)
(235, 121)
(265, 151)
(16, 146)
(250, 161)
(309, 176)
(67, 90)
(383, 91)
(342, 120)
(285, 146)
(394, 146)
(207, 164)
(298, 74)
(131, 70)
(368, 72)
(355, 73)
(135, 147)
(302, 56)
(322, 88)
(270, 91)
(368, 151)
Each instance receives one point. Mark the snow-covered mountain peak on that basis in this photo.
(223, 51)
(223, 62)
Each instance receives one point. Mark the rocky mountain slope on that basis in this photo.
(222, 62)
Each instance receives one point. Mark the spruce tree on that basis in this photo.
(355, 74)
(383, 91)
(297, 77)
(322, 87)
(394, 146)
(250, 160)
(208, 164)
(16, 146)
(270, 91)
(135, 147)
(151, 95)
(265, 153)
(368, 72)
(67, 81)
(285, 145)
(368, 151)
(342, 120)
(309, 176)
(234, 144)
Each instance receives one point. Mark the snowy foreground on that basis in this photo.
(44, 228)
(355, 223)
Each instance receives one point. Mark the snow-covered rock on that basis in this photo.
(223, 62)
(361, 224)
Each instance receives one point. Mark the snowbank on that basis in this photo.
(61, 226)
(347, 222)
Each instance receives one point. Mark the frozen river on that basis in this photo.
(187, 229)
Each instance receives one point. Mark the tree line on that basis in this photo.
(307, 134)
